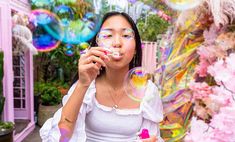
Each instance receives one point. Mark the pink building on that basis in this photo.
(18, 73)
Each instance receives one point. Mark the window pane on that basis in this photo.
(16, 60)
(17, 103)
(16, 82)
(16, 92)
(16, 71)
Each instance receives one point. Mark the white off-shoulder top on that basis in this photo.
(99, 123)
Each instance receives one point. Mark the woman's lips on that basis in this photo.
(117, 57)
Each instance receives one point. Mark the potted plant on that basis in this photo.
(62, 87)
(6, 128)
(50, 102)
(6, 131)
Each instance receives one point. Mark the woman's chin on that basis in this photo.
(117, 65)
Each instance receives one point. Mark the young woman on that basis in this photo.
(96, 108)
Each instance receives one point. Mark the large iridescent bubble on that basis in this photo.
(79, 27)
(183, 4)
(135, 84)
(42, 40)
(65, 13)
(41, 16)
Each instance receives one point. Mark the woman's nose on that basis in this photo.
(117, 43)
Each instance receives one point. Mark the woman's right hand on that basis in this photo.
(90, 63)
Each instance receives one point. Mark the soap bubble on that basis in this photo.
(135, 83)
(183, 4)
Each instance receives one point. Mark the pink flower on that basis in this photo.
(231, 62)
(224, 72)
(219, 71)
(219, 130)
(198, 131)
(212, 106)
(223, 124)
(211, 34)
(222, 96)
(206, 51)
(200, 90)
(201, 69)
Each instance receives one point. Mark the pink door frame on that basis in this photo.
(22, 6)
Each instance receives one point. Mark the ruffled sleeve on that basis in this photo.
(50, 131)
(152, 110)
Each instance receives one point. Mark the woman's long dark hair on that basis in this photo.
(137, 59)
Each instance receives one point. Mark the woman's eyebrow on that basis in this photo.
(121, 29)
(126, 28)
(107, 29)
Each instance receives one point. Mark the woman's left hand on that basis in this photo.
(151, 139)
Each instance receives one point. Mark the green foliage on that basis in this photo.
(3, 125)
(49, 94)
(6, 125)
(55, 66)
(60, 84)
(160, 5)
(152, 27)
(78, 6)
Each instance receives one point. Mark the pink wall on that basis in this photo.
(22, 6)
(149, 61)
(6, 45)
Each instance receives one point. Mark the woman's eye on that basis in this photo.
(127, 36)
(107, 36)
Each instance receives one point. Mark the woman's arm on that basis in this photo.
(71, 109)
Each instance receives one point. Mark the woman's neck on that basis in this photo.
(115, 78)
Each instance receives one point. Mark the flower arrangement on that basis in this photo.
(214, 89)
(212, 75)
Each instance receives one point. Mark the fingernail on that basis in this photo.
(106, 57)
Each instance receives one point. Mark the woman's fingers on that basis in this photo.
(95, 55)
(90, 63)
(94, 59)
(98, 51)
(91, 66)
(92, 69)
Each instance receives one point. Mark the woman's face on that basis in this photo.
(118, 34)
